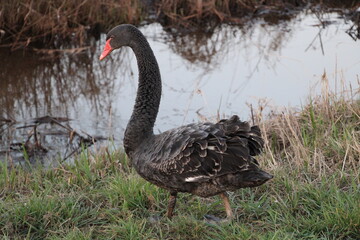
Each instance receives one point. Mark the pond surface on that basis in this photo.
(204, 75)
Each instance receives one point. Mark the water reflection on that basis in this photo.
(218, 71)
(207, 48)
(74, 86)
(35, 85)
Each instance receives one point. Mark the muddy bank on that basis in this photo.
(51, 24)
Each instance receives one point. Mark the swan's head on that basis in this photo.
(117, 37)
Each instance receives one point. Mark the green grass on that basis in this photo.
(97, 200)
(313, 153)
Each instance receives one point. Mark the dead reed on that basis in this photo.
(51, 23)
(41, 21)
(194, 12)
(322, 138)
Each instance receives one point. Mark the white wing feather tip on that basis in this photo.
(194, 179)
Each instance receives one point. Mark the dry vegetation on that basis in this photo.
(51, 23)
(323, 137)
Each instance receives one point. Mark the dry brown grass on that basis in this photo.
(323, 137)
(49, 23)
(28, 21)
(190, 12)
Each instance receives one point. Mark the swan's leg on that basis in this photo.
(225, 199)
(171, 204)
(215, 220)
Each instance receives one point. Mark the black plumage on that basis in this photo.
(204, 159)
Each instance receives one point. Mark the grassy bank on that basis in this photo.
(314, 154)
(50, 24)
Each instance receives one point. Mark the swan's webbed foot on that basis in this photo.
(229, 215)
(154, 218)
(169, 212)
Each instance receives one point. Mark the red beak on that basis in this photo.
(107, 49)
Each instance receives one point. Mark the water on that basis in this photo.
(203, 75)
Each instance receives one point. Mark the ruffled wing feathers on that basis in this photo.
(197, 152)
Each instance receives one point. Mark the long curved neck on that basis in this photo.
(148, 95)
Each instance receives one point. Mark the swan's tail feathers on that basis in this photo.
(252, 178)
(236, 128)
(255, 141)
(258, 176)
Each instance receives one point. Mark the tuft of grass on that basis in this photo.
(323, 137)
(313, 154)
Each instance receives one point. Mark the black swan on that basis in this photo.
(204, 159)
